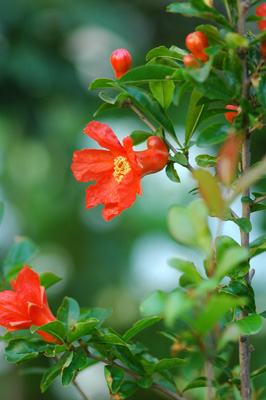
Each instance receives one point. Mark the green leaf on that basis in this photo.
(54, 328)
(110, 338)
(101, 83)
(163, 92)
(82, 329)
(176, 306)
(171, 172)
(258, 246)
(188, 226)
(1, 211)
(99, 313)
(139, 326)
(165, 363)
(19, 254)
(183, 8)
(48, 279)
(52, 373)
(139, 137)
(73, 365)
(259, 38)
(218, 305)
(234, 40)
(127, 389)
(68, 313)
(128, 358)
(162, 51)
(244, 224)
(233, 71)
(113, 100)
(214, 87)
(105, 107)
(179, 158)
(199, 383)
(196, 74)
(206, 161)
(231, 259)
(154, 303)
(258, 372)
(180, 90)
(213, 134)
(147, 73)
(145, 382)
(149, 105)
(190, 276)
(21, 350)
(114, 378)
(213, 34)
(210, 191)
(249, 325)
(193, 116)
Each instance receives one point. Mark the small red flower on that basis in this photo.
(26, 305)
(118, 170)
(261, 12)
(230, 116)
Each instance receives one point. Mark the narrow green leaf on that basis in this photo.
(171, 173)
(139, 137)
(258, 246)
(48, 279)
(104, 107)
(99, 313)
(68, 313)
(206, 161)
(19, 253)
(199, 383)
(258, 372)
(53, 372)
(179, 158)
(193, 116)
(101, 83)
(148, 104)
(147, 73)
(166, 363)
(21, 350)
(139, 326)
(73, 365)
(110, 338)
(162, 51)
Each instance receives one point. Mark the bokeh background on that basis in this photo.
(50, 51)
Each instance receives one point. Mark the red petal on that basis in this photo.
(29, 287)
(128, 189)
(104, 135)
(91, 165)
(131, 154)
(13, 310)
(39, 316)
(105, 192)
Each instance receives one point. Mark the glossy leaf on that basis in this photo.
(244, 224)
(139, 326)
(162, 51)
(258, 246)
(145, 382)
(180, 90)
(193, 116)
(213, 134)
(210, 191)
(249, 325)
(110, 338)
(198, 383)
(54, 328)
(99, 313)
(165, 363)
(179, 158)
(213, 34)
(114, 378)
(104, 107)
(101, 83)
(21, 350)
(82, 329)
(53, 372)
(68, 313)
(171, 173)
(48, 279)
(73, 365)
(163, 92)
(214, 87)
(147, 73)
(139, 137)
(206, 161)
(148, 104)
(127, 389)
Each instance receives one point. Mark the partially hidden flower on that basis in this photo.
(118, 170)
(230, 116)
(26, 305)
(261, 12)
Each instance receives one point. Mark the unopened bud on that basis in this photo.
(121, 62)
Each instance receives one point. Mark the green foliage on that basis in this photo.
(19, 254)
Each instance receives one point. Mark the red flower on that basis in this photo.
(118, 170)
(27, 305)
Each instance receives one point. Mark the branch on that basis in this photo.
(132, 373)
(259, 199)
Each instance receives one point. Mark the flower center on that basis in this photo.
(121, 168)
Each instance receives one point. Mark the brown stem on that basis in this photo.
(259, 199)
(132, 373)
(244, 351)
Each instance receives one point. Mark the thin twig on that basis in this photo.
(144, 119)
(85, 397)
(155, 385)
(234, 215)
(259, 199)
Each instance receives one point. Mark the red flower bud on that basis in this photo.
(190, 61)
(227, 159)
(196, 42)
(121, 62)
(26, 305)
(231, 115)
(261, 12)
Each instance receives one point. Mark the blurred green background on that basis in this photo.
(50, 51)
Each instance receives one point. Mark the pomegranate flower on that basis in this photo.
(26, 305)
(118, 170)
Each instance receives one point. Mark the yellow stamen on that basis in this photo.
(121, 168)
